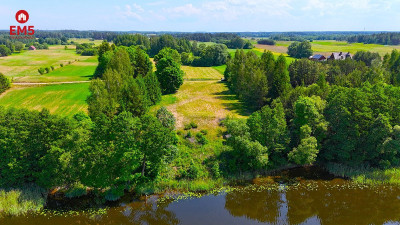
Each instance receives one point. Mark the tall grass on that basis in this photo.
(19, 201)
(366, 175)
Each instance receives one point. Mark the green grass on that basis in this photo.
(326, 47)
(19, 201)
(221, 69)
(200, 73)
(77, 71)
(62, 99)
(27, 63)
(366, 175)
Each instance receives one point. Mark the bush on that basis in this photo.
(205, 132)
(47, 69)
(52, 68)
(61, 65)
(166, 118)
(201, 139)
(193, 125)
(188, 135)
(266, 42)
(187, 126)
(4, 83)
(41, 70)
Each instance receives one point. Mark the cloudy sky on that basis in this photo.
(205, 15)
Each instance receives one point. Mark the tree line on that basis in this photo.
(312, 112)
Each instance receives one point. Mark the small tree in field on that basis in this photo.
(41, 70)
(4, 83)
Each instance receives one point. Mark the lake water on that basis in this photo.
(299, 196)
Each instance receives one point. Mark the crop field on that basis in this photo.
(327, 47)
(34, 91)
(27, 63)
(61, 99)
(205, 102)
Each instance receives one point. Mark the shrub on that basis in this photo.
(187, 126)
(47, 69)
(201, 139)
(41, 70)
(52, 68)
(166, 118)
(193, 125)
(4, 83)
(205, 132)
(61, 65)
(188, 135)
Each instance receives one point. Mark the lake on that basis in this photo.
(297, 196)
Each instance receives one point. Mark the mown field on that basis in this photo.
(32, 90)
(329, 46)
(203, 99)
(61, 99)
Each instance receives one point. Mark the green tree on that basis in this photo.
(280, 79)
(168, 53)
(166, 118)
(5, 83)
(300, 49)
(4, 51)
(307, 151)
(169, 75)
(153, 88)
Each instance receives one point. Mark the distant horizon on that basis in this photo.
(207, 15)
(172, 31)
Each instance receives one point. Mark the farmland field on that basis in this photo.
(30, 89)
(27, 63)
(62, 99)
(326, 47)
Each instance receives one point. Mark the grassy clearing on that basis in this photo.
(62, 99)
(366, 175)
(205, 102)
(27, 63)
(326, 47)
(19, 201)
(200, 73)
(221, 69)
(86, 40)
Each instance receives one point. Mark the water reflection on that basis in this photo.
(284, 199)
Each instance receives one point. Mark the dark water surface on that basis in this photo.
(299, 196)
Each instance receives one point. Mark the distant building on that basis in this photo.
(317, 57)
(32, 48)
(340, 56)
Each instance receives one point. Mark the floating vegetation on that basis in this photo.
(308, 186)
(91, 213)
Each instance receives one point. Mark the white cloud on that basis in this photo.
(128, 12)
(186, 10)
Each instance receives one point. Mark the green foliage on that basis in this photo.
(5, 83)
(41, 70)
(169, 75)
(300, 50)
(268, 127)
(4, 51)
(239, 43)
(212, 55)
(306, 152)
(153, 88)
(168, 53)
(52, 68)
(280, 83)
(61, 65)
(201, 139)
(367, 57)
(305, 72)
(47, 69)
(166, 118)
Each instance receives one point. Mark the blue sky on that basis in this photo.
(195, 15)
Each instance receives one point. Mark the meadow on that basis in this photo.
(204, 100)
(326, 47)
(61, 99)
